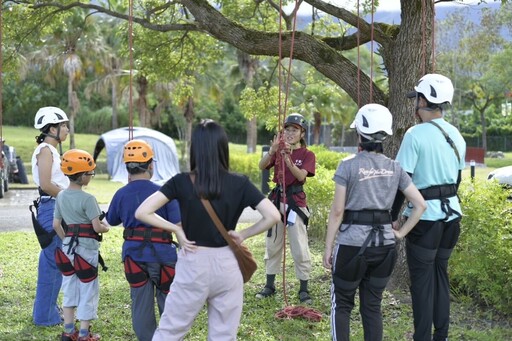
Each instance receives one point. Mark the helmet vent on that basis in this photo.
(433, 92)
(365, 122)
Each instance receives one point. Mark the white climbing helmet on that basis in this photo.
(49, 115)
(371, 119)
(436, 88)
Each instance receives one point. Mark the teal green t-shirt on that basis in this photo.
(426, 155)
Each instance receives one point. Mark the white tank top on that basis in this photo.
(58, 178)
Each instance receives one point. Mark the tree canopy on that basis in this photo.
(251, 26)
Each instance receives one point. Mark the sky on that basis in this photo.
(384, 5)
(388, 5)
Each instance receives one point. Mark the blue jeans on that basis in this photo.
(49, 278)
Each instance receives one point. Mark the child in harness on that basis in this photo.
(78, 258)
(149, 253)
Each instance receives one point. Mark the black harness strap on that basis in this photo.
(448, 139)
(367, 217)
(275, 197)
(147, 234)
(442, 193)
(376, 218)
(439, 192)
(76, 231)
(83, 231)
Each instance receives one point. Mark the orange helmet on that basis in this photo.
(76, 161)
(137, 151)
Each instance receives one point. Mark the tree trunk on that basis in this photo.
(142, 102)
(317, 116)
(72, 112)
(484, 129)
(248, 66)
(189, 118)
(115, 122)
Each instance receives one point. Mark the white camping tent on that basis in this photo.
(166, 165)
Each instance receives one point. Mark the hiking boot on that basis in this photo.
(70, 336)
(90, 337)
(305, 298)
(266, 292)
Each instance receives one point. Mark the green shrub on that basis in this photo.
(327, 158)
(246, 164)
(481, 265)
(320, 192)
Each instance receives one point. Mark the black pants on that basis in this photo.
(370, 273)
(429, 246)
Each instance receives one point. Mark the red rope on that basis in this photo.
(288, 311)
(309, 314)
(358, 58)
(433, 36)
(1, 82)
(130, 46)
(371, 54)
(423, 38)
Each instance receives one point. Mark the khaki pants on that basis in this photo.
(211, 276)
(297, 236)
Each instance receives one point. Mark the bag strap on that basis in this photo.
(448, 139)
(217, 222)
(215, 218)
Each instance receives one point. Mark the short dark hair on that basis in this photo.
(430, 105)
(139, 168)
(209, 158)
(370, 146)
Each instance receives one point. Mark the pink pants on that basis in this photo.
(211, 276)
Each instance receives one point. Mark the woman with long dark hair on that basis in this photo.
(207, 270)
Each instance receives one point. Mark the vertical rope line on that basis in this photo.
(130, 46)
(280, 164)
(371, 53)
(1, 81)
(423, 38)
(280, 67)
(358, 58)
(290, 59)
(433, 36)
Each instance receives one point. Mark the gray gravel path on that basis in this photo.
(15, 216)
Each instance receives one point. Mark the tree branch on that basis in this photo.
(143, 22)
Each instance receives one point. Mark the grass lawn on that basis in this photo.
(18, 282)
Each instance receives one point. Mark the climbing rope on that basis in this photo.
(130, 53)
(288, 312)
(433, 56)
(358, 34)
(1, 81)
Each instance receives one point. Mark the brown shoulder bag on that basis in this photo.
(243, 255)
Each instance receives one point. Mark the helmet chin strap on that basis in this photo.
(56, 137)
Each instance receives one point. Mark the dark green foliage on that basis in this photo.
(481, 265)
(320, 192)
(327, 158)
(246, 164)
(99, 121)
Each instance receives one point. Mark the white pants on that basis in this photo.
(211, 276)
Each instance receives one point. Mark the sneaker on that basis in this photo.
(305, 298)
(90, 337)
(70, 336)
(266, 292)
